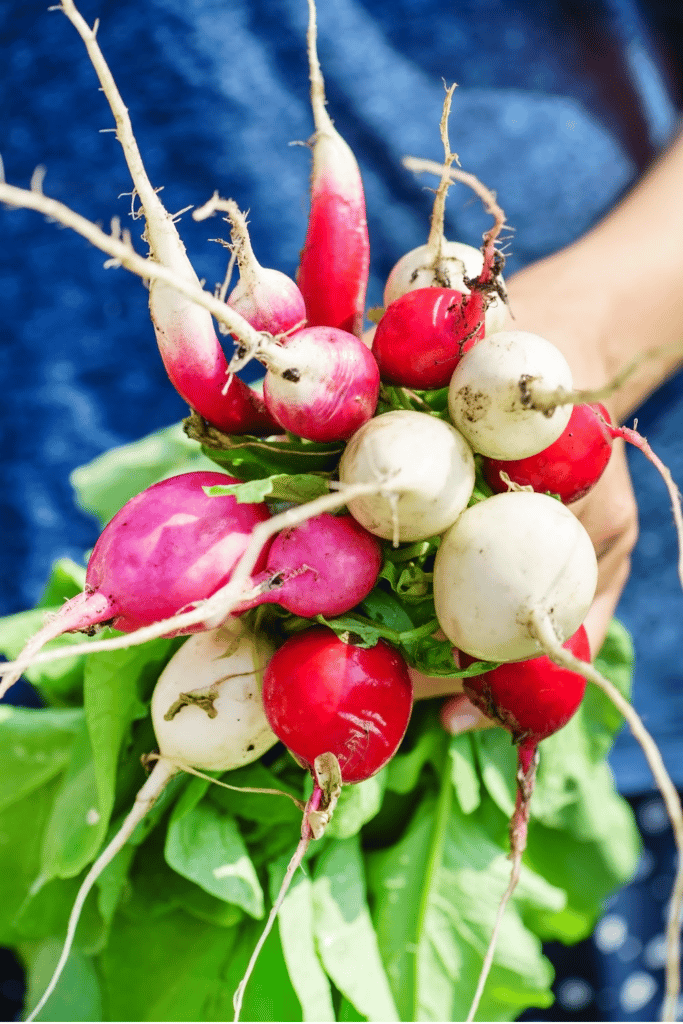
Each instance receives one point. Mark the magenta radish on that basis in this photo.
(503, 561)
(430, 466)
(168, 547)
(422, 335)
(342, 712)
(335, 260)
(324, 566)
(207, 714)
(322, 383)
(490, 397)
(532, 700)
(569, 467)
(266, 298)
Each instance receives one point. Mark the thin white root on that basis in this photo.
(323, 122)
(542, 627)
(226, 785)
(213, 612)
(436, 225)
(162, 773)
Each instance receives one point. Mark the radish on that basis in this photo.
(189, 347)
(168, 547)
(569, 467)
(218, 725)
(532, 700)
(342, 712)
(322, 383)
(504, 559)
(422, 335)
(335, 260)
(324, 566)
(266, 298)
(431, 468)
(490, 396)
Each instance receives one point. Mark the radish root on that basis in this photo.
(541, 626)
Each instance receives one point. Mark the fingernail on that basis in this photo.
(462, 722)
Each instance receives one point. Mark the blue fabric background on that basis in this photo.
(559, 107)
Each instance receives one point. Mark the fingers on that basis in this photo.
(459, 715)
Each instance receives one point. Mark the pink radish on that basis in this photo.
(570, 466)
(532, 700)
(266, 298)
(423, 334)
(324, 566)
(218, 725)
(322, 383)
(342, 712)
(335, 260)
(168, 547)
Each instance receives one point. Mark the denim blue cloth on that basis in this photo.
(559, 107)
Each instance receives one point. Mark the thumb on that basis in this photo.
(459, 714)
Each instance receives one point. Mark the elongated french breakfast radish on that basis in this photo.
(342, 712)
(189, 346)
(431, 467)
(422, 335)
(504, 559)
(569, 467)
(266, 298)
(532, 699)
(489, 395)
(324, 566)
(207, 714)
(168, 547)
(322, 383)
(335, 260)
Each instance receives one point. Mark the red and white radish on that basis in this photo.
(490, 397)
(569, 467)
(335, 260)
(322, 383)
(324, 566)
(207, 714)
(168, 547)
(431, 469)
(504, 559)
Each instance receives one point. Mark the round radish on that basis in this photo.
(490, 396)
(570, 466)
(431, 469)
(422, 335)
(505, 558)
(454, 266)
(323, 566)
(323, 695)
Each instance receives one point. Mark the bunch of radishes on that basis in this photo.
(442, 400)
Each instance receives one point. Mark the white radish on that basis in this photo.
(207, 713)
(491, 394)
(506, 559)
(429, 464)
(449, 267)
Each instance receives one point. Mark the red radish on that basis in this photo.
(323, 695)
(322, 383)
(570, 466)
(335, 260)
(168, 547)
(222, 728)
(532, 700)
(422, 335)
(324, 566)
(266, 298)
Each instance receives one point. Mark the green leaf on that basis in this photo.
(61, 682)
(205, 846)
(357, 804)
(344, 935)
(104, 485)
(34, 747)
(66, 580)
(464, 773)
(300, 488)
(295, 921)
(47, 908)
(77, 996)
(252, 458)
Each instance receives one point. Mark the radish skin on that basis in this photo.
(503, 558)
(431, 469)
